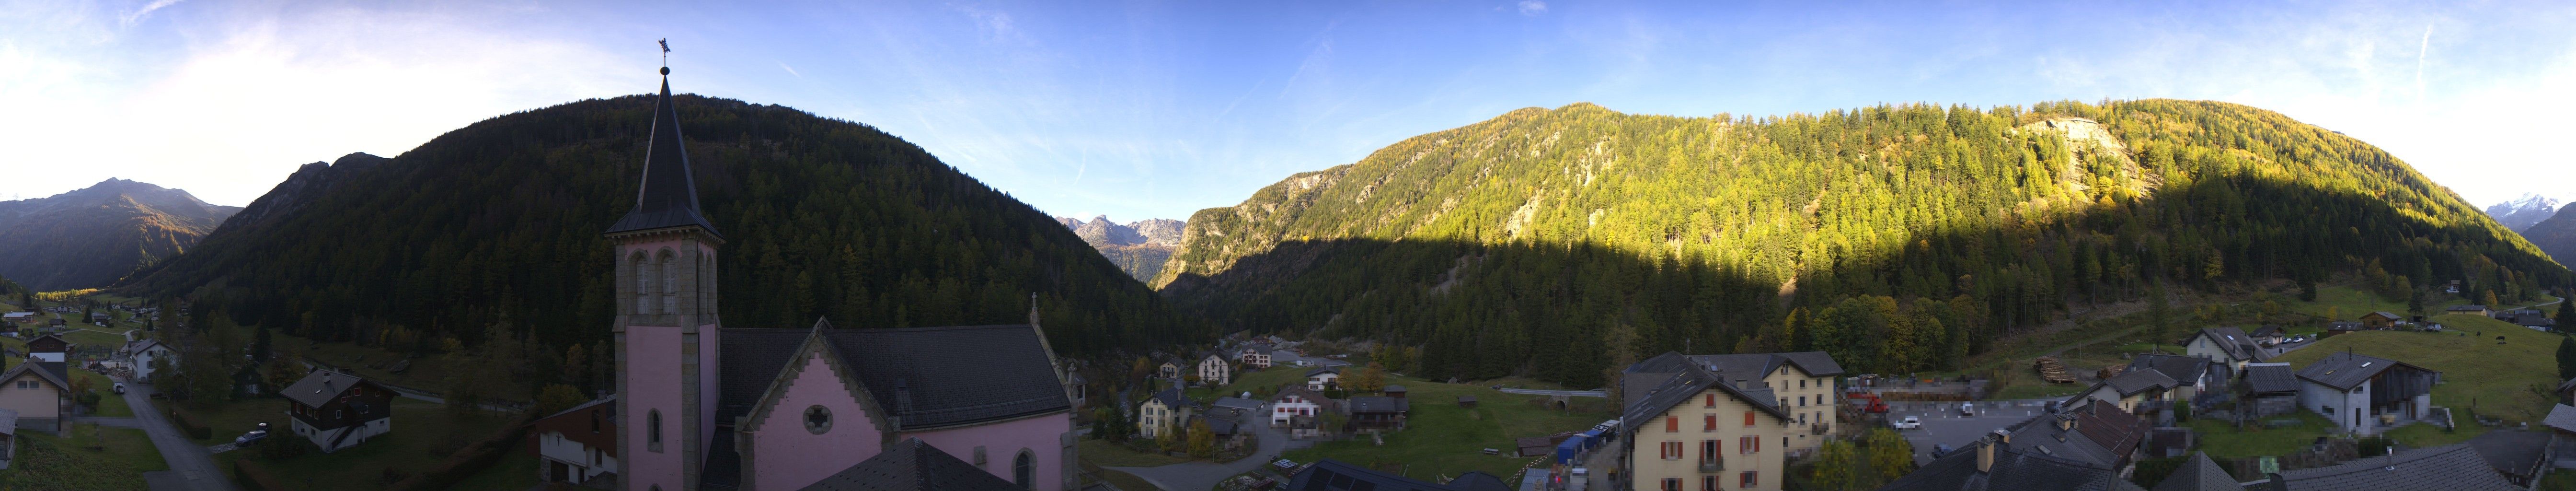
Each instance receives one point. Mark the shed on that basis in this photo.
(1466, 401)
(1533, 446)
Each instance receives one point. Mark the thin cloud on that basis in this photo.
(1533, 7)
(137, 16)
(2425, 46)
(790, 70)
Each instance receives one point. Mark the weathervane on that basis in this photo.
(666, 55)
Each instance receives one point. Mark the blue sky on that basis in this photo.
(1157, 109)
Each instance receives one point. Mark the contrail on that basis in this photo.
(2420, 49)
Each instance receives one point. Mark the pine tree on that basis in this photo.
(2566, 358)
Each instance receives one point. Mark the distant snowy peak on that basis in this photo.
(2521, 213)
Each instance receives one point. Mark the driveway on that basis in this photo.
(192, 467)
(1200, 474)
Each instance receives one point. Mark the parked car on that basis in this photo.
(252, 436)
(1940, 450)
(1909, 423)
(119, 389)
(1967, 409)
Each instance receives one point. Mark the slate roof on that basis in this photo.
(1224, 420)
(668, 196)
(2386, 314)
(929, 377)
(2345, 370)
(320, 385)
(1312, 396)
(2231, 341)
(1335, 475)
(2570, 383)
(2561, 417)
(2199, 474)
(2451, 467)
(1238, 403)
(2013, 470)
(1377, 404)
(2514, 453)
(2183, 370)
(2267, 330)
(912, 466)
(2271, 377)
(1172, 398)
(2104, 435)
(1335, 369)
(2343, 326)
(1688, 384)
(2134, 382)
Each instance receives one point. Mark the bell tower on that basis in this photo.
(666, 328)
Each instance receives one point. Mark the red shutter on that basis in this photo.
(1710, 400)
(1672, 424)
(1710, 420)
(1749, 480)
(1748, 419)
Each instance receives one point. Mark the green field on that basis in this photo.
(2511, 379)
(1443, 439)
(424, 373)
(1104, 453)
(2223, 440)
(113, 459)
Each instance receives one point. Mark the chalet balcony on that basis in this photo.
(1708, 466)
(1820, 428)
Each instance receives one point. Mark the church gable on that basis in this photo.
(801, 383)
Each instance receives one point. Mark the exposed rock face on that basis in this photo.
(90, 237)
(2556, 236)
(2521, 213)
(1138, 247)
(301, 188)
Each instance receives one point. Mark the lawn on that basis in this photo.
(2222, 440)
(49, 462)
(1105, 453)
(1265, 382)
(109, 403)
(1445, 440)
(423, 435)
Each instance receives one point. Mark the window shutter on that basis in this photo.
(1672, 424)
(1749, 480)
(1708, 400)
(1748, 419)
(1710, 420)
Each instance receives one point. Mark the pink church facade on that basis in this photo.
(703, 406)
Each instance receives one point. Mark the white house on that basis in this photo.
(2225, 345)
(576, 445)
(1257, 358)
(1325, 378)
(1214, 371)
(2366, 394)
(144, 352)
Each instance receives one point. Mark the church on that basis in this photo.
(702, 406)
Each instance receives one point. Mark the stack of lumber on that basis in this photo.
(2110, 371)
(2053, 371)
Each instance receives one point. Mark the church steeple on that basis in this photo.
(668, 197)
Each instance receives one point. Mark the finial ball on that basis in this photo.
(666, 70)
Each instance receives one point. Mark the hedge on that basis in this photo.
(190, 425)
(253, 477)
(468, 461)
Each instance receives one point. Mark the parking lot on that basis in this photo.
(1942, 423)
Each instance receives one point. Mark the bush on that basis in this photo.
(253, 477)
(279, 447)
(465, 463)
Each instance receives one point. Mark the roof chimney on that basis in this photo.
(1986, 450)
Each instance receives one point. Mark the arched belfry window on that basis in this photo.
(643, 282)
(653, 430)
(670, 277)
(706, 284)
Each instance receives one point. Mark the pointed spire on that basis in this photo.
(668, 196)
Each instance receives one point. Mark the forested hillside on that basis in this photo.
(499, 223)
(1900, 238)
(89, 237)
(2556, 235)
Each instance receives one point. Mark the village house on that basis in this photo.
(19, 318)
(143, 353)
(50, 347)
(1163, 412)
(2134, 391)
(2224, 345)
(576, 445)
(1324, 378)
(2195, 378)
(1801, 383)
(1708, 432)
(704, 406)
(8, 437)
(2270, 389)
(1170, 370)
(2479, 310)
(100, 318)
(2269, 335)
(1214, 371)
(2366, 394)
(1377, 413)
(40, 393)
(2335, 328)
(2530, 318)
(2382, 320)
(1300, 410)
(1229, 426)
(338, 410)
(2522, 457)
(1257, 358)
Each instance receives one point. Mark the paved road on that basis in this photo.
(1570, 393)
(192, 467)
(1942, 423)
(1200, 474)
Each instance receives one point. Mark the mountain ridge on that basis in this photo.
(92, 236)
(1139, 247)
(2523, 212)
